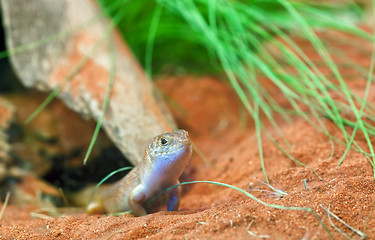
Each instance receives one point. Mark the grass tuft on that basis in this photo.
(239, 39)
(248, 43)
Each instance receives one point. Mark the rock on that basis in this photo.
(62, 34)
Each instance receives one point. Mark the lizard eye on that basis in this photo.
(163, 141)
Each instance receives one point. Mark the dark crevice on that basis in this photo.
(9, 82)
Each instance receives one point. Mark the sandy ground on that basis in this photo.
(210, 111)
(222, 131)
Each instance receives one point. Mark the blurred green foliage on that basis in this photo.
(178, 48)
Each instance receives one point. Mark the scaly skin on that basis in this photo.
(165, 159)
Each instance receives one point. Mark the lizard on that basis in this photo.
(164, 160)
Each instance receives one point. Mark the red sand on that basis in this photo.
(210, 111)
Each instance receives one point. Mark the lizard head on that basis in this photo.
(170, 152)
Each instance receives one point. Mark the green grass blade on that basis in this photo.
(106, 100)
(71, 74)
(105, 179)
(306, 209)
